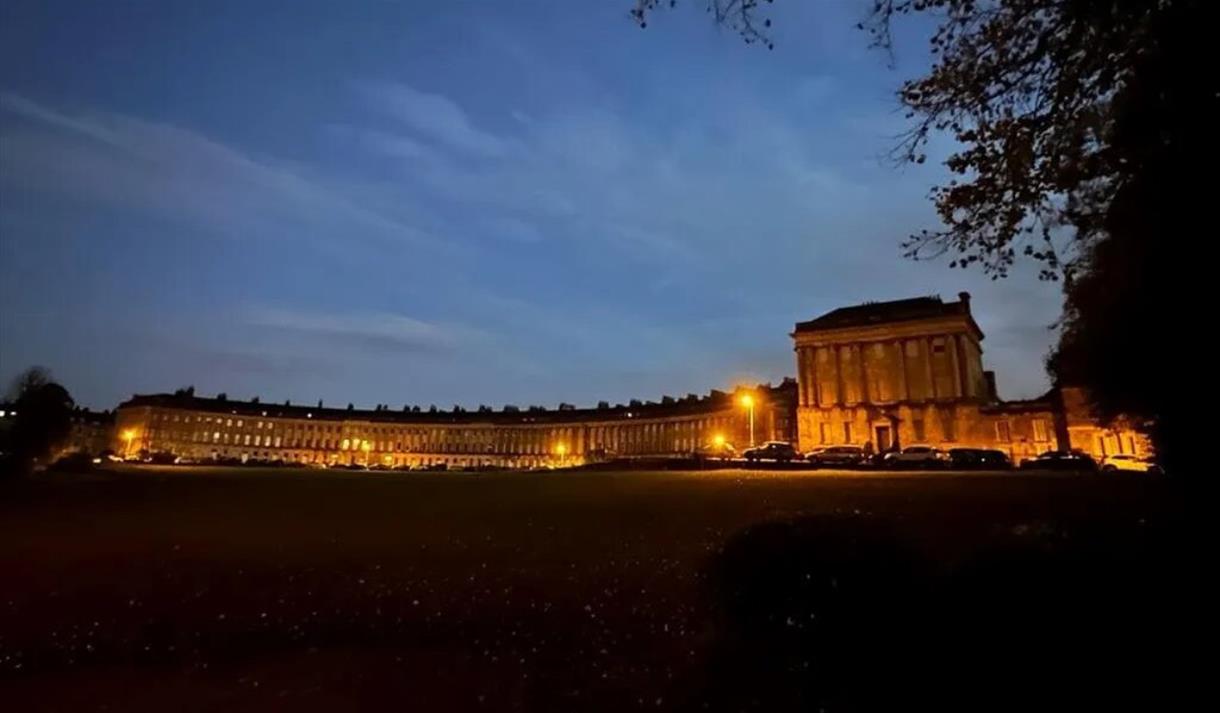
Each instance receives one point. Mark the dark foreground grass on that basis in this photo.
(245, 590)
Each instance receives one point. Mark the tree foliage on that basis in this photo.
(44, 417)
(1027, 89)
(740, 16)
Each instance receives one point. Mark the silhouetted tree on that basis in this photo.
(741, 16)
(185, 392)
(351, 406)
(254, 399)
(222, 396)
(415, 409)
(43, 419)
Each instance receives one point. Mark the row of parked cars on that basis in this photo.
(930, 457)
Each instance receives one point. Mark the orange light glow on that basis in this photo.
(719, 440)
(747, 401)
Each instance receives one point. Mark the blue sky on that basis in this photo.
(463, 202)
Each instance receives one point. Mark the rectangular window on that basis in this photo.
(1002, 432)
(946, 425)
(825, 429)
(918, 427)
(1040, 430)
(847, 432)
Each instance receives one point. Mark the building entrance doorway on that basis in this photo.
(884, 438)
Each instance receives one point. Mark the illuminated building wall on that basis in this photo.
(894, 374)
(202, 428)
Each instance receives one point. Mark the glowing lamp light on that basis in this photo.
(718, 439)
(748, 401)
(561, 450)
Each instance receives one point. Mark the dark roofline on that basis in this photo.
(870, 314)
(708, 403)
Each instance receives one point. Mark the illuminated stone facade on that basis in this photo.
(894, 374)
(218, 429)
(885, 374)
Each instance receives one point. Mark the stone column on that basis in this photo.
(926, 345)
(800, 377)
(814, 387)
(862, 366)
(840, 393)
(904, 393)
(954, 365)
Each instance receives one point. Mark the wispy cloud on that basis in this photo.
(177, 174)
(435, 116)
(377, 329)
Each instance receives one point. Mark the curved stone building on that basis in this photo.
(199, 428)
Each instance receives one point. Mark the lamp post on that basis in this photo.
(128, 435)
(748, 401)
(561, 450)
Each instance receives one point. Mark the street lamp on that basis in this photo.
(561, 450)
(748, 401)
(128, 435)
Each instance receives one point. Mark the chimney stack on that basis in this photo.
(965, 299)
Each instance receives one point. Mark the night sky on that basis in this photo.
(455, 202)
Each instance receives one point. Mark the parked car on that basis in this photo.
(1061, 460)
(723, 451)
(780, 451)
(978, 459)
(917, 457)
(838, 457)
(1121, 461)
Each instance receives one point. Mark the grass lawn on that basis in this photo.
(248, 589)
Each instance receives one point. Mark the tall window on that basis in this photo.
(1002, 432)
(946, 425)
(847, 432)
(825, 429)
(1040, 430)
(920, 431)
